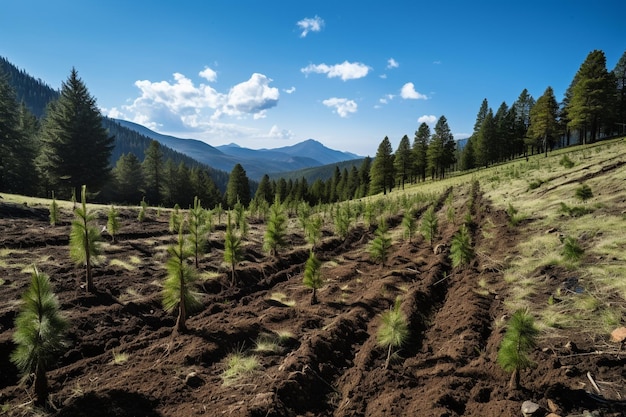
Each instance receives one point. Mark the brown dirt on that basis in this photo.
(332, 366)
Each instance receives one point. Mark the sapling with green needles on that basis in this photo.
(520, 338)
(40, 328)
(313, 276)
(113, 223)
(393, 331)
(199, 227)
(276, 230)
(409, 223)
(54, 211)
(381, 245)
(85, 240)
(430, 225)
(461, 251)
(177, 288)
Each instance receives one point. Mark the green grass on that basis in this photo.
(239, 366)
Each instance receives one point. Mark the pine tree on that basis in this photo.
(313, 230)
(403, 161)
(264, 191)
(485, 141)
(313, 276)
(39, 333)
(619, 73)
(113, 223)
(199, 227)
(520, 338)
(420, 151)
(393, 331)
(233, 251)
(461, 251)
(381, 245)
(128, 176)
(54, 211)
(276, 230)
(85, 240)
(177, 288)
(238, 188)
(17, 150)
(153, 173)
(593, 97)
(176, 218)
(441, 150)
(544, 126)
(409, 223)
(522, 105)
(429, 225)
(76, 149)
(382, 171)
(364, 177)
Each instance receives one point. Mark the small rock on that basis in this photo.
(618, 335)
(530, 408)
(193, 380)
(553, 407)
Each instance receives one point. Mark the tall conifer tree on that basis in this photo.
(76, 149)
(382, 172)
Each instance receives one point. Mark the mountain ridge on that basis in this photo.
(256, 162)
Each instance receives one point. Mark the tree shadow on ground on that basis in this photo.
(110, 403)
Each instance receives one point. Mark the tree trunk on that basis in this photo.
(41, 386)
(388, 357)
(514, 381)
(313, 297)
(181, 326)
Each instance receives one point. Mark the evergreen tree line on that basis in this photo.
(593, 107)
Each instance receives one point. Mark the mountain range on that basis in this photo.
(256, 162)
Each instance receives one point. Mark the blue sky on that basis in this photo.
(265, 74)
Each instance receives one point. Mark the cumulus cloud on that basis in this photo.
(392, 63)
(208, 74)
(345, 71)
(289, 90)
(342, 106)
(254, 96)
(310, 24)
(408, 92)
(180, 105)
(429, 119)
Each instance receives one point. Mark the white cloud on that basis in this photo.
(429, 119)
(408, 92)
(181, 106)
(254, 96)
(345, 71)
(278, 133)
(289, 90)
(310, 24)
(208, 74)
(437, 62)
(386, 99)
(343, 107)
(392, 63)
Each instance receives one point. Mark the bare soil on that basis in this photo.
(331, 365)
